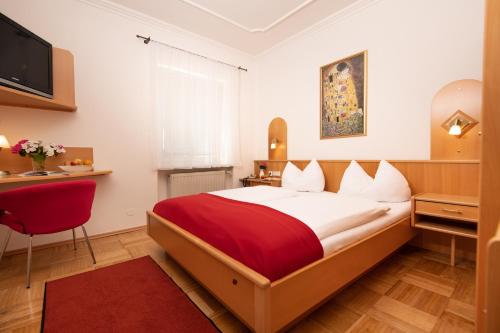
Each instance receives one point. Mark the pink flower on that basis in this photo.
(16, 149)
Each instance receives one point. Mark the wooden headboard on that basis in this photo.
(448, 177)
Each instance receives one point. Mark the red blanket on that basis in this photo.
(264, 239)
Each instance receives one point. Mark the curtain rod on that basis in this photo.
(148, 39)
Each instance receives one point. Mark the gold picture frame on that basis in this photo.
(343, 97)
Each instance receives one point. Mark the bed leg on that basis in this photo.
(262, 310)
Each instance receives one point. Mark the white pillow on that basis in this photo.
(290, 175)
(311, 179)
(389, 185)
(355, 180)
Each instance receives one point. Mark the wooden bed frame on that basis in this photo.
(266, 306)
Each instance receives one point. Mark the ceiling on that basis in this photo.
(248, 25)
(252, 16)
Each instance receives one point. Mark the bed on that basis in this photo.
(271, 305)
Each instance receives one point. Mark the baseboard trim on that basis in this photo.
(70, 241)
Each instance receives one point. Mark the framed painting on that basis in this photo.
(343, 97)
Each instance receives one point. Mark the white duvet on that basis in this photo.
(328, 213)
(256, 194)
(325, 213)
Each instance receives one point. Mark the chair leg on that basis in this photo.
(28, 266)
(7, 238)
(88, 244)
(74, 239)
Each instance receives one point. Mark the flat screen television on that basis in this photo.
(25, 59)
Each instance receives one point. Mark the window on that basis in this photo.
(196, 106)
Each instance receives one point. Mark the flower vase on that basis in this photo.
(38, 163)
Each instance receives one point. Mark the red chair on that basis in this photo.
(46, 209)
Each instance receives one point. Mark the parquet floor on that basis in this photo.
(412, 291)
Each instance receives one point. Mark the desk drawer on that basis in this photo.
(456, 212)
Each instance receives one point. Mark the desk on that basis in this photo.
(22, 179)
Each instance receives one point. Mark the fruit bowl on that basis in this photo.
(75, 168)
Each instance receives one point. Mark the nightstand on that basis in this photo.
(271, 181)
(450, 214)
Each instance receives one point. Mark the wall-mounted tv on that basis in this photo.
(25, 59)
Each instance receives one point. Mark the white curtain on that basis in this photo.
(196, 105)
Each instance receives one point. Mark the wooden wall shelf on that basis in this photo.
(63, 83)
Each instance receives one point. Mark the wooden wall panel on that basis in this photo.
(489, 204)
(448, 177)
(17, 164)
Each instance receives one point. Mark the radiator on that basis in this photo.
(196, 182)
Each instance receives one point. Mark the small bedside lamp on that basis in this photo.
(274, 143)
(4, 143)
(455, 129)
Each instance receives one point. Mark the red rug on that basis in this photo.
(134, 296)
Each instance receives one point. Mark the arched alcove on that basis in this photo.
(277, 139)
(457, 100)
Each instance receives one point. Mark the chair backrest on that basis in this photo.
(52, 207)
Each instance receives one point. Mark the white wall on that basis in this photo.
(112, 94)
(414, 48)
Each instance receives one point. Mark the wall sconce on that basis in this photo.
(459, 123)
(274, 143)
(455, 129)
(4, 143)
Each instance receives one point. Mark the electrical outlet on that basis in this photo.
(275, 173)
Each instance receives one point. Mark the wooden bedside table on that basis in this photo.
(450, 214)
(272, 181)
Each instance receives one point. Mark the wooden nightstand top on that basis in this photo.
(263, 180)
(272, 181)
(449, 199)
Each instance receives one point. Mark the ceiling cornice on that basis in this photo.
(135, 15)
(129, 13)
(328, 21)
(248, 29)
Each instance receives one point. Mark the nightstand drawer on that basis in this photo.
(456, 212)
(258, 183)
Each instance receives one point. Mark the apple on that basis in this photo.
(76, 161)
